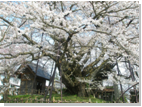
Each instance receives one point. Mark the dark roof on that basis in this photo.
(41, 72)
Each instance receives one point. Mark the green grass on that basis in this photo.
(109, 87)
(25, 96)
(67, 97)
(124, 99)
(76, 98)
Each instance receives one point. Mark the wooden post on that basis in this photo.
(19, 90)
(89, 100)
(34, 91)
(26, 88)
(26, 91)
(14, 100)
(111, 96)
(5, 95)
(53, 99)
(46, 100)
(30, 100)
(26, 101)
(36, 101)
(31, 91)
(41, 100)
(17, 100)
(65, 101)
(39, 91)
(57, 101)
(21, 100)
(9, 100)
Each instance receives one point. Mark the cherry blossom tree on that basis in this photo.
(8, 67)
(83, 38)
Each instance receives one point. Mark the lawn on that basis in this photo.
(55, 97)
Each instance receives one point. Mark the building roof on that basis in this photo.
(41, 72)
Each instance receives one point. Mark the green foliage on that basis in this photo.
(124, 99)
(121, 99)
(87, 85)
(110, 87)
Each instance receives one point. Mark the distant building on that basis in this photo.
(133, 96)
(1, 97)
(13, 85)
(57, 85)
(105, 94)
(27, 78)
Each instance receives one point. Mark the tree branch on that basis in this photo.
(126, 91)
(6, 21)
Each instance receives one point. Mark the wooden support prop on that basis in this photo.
(39, 91)
(31, 100)
(9, 100)
(89, 100)
(36, 100)
(46, 101)
(15, 100)
(53, 99)
(21, 100)
(41, 100)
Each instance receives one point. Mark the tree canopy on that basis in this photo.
(87, 37)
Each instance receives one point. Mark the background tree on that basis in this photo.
(8, 68)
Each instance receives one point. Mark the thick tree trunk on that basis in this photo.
(74, 87)
(72, 70)
(116, 92)
(81, 90)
